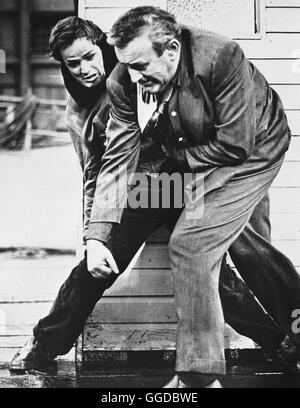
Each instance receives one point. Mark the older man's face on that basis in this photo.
(145, 67)
(85, 62)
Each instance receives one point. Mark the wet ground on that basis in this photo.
(64, 374)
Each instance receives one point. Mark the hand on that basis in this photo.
(100, 261)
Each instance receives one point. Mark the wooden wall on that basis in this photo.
(138, 312)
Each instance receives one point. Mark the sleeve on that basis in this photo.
(119, 164)
(233, 99)
(90, 159)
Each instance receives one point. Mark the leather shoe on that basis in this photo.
(176, 382)
(288, 354)
(31, 357)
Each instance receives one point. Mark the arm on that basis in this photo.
(234, 103)
(119, 163)
(89, 152)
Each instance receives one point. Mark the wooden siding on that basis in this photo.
(138, 312)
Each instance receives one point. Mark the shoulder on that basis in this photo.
(119, 78)
(210, 49)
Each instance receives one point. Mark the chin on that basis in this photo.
(88, 84)
(154, 89)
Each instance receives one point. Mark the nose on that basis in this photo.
(84, 67)
(135, 75)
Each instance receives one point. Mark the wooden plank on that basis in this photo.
(285, 200)
(143, 282)
(160, 257)
(290, 249)
(81, 8)
(285, 226)
(8, 5)
(154, 257)
(272, 46)
(278, 71)
(290, 96)
(283, 3)
(294, 121)
(134, 310)
(145, 337)
(53, 5)
(284, 20)
(105, 17)
(120, 3)
(293, 154)
(46, 76)
(288, 175)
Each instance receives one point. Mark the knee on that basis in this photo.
(177, 243)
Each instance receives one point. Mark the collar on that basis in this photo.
(186, 71)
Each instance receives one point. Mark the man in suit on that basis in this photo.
(222, 122)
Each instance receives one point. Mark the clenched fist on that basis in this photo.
(100, 261)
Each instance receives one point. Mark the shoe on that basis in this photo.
(288, 354)
(176, 382)
(31, 357)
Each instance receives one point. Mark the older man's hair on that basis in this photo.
(160, 25)
(66, 31)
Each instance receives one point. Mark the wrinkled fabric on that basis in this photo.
(223, 103)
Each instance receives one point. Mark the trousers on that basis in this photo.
(78, 295)
(197, 247)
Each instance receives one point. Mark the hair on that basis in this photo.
(63, 34)
(162, 27)
(66, 31)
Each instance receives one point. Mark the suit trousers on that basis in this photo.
(197, 246)
(78, 295)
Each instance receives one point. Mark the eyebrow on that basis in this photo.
(135, 65)
(86, 54)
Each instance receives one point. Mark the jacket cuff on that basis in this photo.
(99, 231)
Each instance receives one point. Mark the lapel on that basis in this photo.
(193, 103)
(188, 100)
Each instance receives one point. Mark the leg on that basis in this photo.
(197, 247)
(270, 275)
(56, 333)
(79, 294)
(241, 310)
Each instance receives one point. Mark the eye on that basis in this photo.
(72, 64)
(89, 57)
(138, 67)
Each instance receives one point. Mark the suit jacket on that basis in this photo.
(224, 106)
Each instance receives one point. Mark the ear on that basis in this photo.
(173, 48)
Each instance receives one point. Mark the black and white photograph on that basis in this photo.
(149, 197)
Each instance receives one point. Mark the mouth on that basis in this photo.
(90, 78)
(148, 83)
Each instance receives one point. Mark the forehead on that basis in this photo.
(139, 49)
(79, 47)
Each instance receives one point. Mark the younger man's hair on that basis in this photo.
(66, 31)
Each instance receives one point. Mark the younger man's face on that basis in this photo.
(84, 61)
